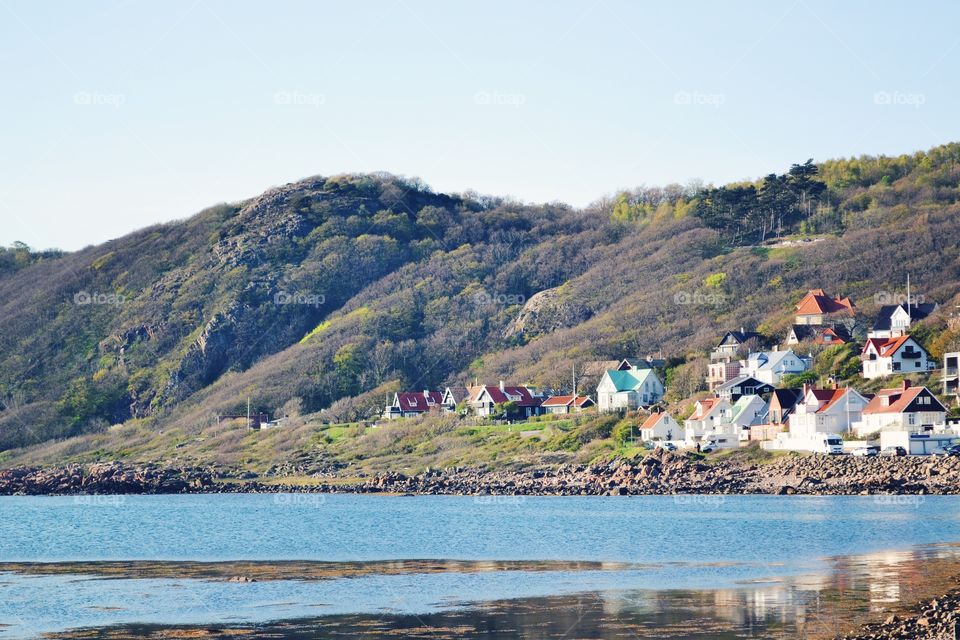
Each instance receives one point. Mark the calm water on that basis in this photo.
(744, 550)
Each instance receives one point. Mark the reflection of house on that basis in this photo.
(887, 356)
(771, 366)
(826, 411)
(660, 426)
(893, 320)
(483, 400)
(903, 408)
(413, 403)
(628, 389)
(818, 308)
(742, 386)
(566, 404)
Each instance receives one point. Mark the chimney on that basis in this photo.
(806, 389)
(501, 385)
(426, 394)
(906, 384)
(741, 330)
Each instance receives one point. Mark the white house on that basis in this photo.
(886, 356)
(904, 408)
(894, 320)
(566, 404)
(707, 414)
(823, 411)
(747, 411)
(660, 426)
(628, 389)
(771, 366)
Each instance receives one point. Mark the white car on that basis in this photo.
(870, 450)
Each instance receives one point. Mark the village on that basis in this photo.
(752, 393)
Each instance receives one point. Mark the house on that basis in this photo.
(903, 408)
(782, 404)
(707, 413)
(628, 389)
(747, 411)
(733, 342)
(742, 386)
(951, 375)
(817, 308)
(822, 411)
(660, 426)
(484, 400)
(453, 397)
(887, 356)
(771, 366)
(818, 334)
(566, 404)
(413, 403)
(893, 320)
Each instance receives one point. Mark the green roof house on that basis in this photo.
(628, 389)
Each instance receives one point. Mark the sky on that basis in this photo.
(118, 115)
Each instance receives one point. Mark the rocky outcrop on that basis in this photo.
(658, 473)
(938, 618)
(546, 312)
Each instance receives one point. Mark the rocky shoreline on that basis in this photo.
(935, 619)
(658, 473)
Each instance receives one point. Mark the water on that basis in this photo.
(667, 553)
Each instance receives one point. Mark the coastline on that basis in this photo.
(657, 473)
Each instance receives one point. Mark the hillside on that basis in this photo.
(327, 293)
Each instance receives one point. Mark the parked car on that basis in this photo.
(869, 450)
(706, 447)
(947, 450)
(668, 446)
(893, 451)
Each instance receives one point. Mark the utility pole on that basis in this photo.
(909, 314)
(573, 369)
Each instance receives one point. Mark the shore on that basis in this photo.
(659, 472)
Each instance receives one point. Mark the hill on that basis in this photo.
(327, 293)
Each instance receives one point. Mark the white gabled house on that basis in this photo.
(771, 366)
(822, 411)
(888, 356)
(894, 320)
(904, 408)
(707, 414)
(746, 412)
(660, 426)
(628, 389)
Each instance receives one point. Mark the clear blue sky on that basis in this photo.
(117, 115)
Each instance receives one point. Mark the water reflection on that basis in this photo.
(818, 604)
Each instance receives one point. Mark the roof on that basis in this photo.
(458, 393)
(739, 380)
(565, 401)
(527, 399)
(739, 337)
(917, 312)
(815, 332)
(818, 302)
(417, 401)
(770, 359)
(886, 347)
(833, 397)
(898, 400)
(787, 398)
(742, 404)
(704, 407)
(653, 419)
(630, 379)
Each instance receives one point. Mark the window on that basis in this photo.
(911, 419)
